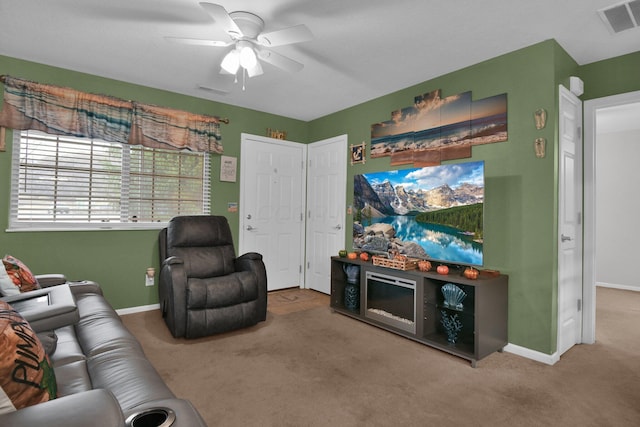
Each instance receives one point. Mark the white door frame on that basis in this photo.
(590, 247)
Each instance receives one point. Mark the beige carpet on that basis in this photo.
(319, 368)
(294, 299)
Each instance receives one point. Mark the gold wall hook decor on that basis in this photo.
(540, 118)
(540, 146)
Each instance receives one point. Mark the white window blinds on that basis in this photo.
(61, 181)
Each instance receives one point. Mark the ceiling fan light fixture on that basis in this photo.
(256, 70)
(248, 57)
(231, 62)
(245, 30)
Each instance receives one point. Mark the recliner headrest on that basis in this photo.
(198, 231)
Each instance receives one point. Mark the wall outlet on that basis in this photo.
(148, 281)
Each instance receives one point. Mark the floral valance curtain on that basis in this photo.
(64, 111)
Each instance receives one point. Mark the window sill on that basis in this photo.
(86, 227)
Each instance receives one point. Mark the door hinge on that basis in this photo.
(579, 305)
(579, 132)
(301, 216)
(579, 218)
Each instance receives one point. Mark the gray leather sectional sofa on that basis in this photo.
(103, 376)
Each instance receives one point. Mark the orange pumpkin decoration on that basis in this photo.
(352, 255)
(442, 269)
(424, 265)
(471, 273)
(364, 256)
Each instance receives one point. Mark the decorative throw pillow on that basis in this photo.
(20, 274)
(49, 341)
(26, 375)
(7, 287)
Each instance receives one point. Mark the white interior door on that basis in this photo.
(272, 202)
(326, 199)
(570, 222)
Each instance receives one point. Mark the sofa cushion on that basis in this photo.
(203, 242)
(209, 321)
(7, 287)
(206, 261)
(20, 274)
(26, 375)
(68, 349)
(73, 378)
(100, 328)
(128, 375)
(222, 291)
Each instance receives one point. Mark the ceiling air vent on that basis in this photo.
(621, 16)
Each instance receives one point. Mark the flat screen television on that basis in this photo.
(434, 212)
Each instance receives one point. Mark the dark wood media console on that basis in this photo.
(479, 321)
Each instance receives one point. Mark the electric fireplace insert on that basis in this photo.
(391, 300)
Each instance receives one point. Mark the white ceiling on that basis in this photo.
(362, 49)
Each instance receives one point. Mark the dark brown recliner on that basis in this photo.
(204, 289)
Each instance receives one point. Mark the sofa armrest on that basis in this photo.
(172, 291)
(85, 287)
(252, 261)
(47, 280)
(46, 309)
(94, 407)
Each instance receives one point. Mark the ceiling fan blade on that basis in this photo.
(199, 42)
(279, 61)
(297, 34)
(221, 16)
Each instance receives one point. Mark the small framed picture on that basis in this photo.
(358, 153)
(228, 167)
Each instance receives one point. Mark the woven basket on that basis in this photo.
(397, 264)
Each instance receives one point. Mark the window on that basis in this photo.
(68, 182)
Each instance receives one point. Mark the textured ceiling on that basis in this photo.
(362, 49)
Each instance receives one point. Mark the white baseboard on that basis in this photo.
(137, 309)
(621, 287)
(549, 359)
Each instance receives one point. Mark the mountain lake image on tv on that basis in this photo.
(433, 213)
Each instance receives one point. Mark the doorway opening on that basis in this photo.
(612, 114)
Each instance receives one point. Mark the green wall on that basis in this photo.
(611, 77)
(118, 259)
(521, 190)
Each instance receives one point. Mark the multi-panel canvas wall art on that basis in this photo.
(433, 123)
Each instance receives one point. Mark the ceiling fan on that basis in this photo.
(250, 44)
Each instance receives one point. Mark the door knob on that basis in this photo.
(250, 228)
(564, 238)
(338, 227)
